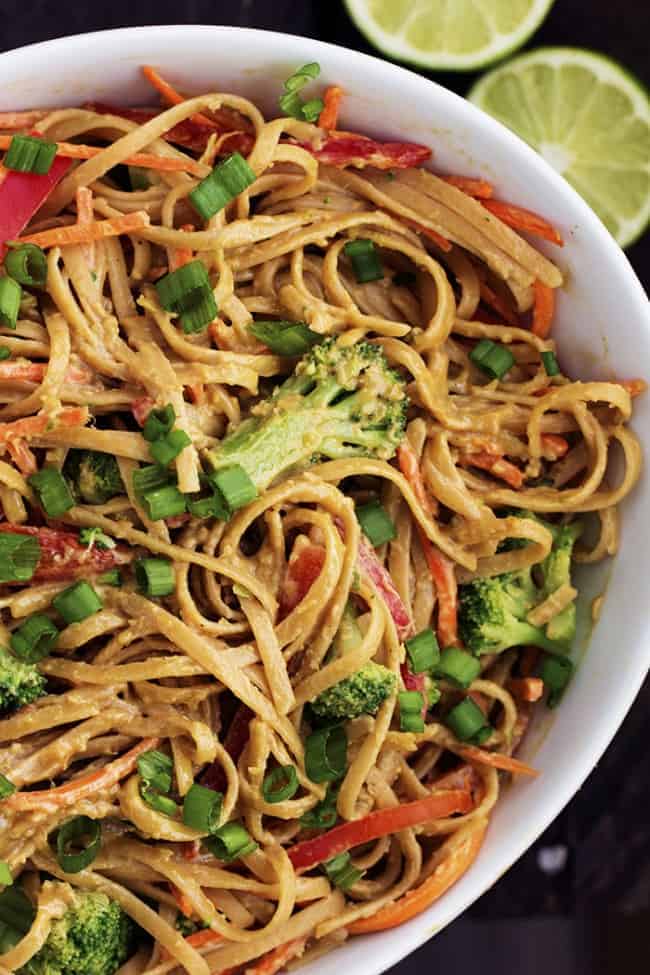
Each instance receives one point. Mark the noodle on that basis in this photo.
(265, 610)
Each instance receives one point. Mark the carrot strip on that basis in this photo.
(34, 426)
(496, 760)
(462, 850)
(554, 446)
(22, 457)
(410, 468)
(171, 164)
(85, 217)
(521, 219)
(169, 93)
(543, 310)
(183, 901)
(497, 466)
(330, 114)
(97, 230)
(275, 960)
(499, 304)
(634, 386)
(528, 689)
(437, 238)
(479, 188)
(34, 372)
(84, 787)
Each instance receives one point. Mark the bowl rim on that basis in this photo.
(412, 935)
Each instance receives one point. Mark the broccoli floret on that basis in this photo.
(94, 477)
(20, 683)
(339, 402)
(94, 937)
(493, 611)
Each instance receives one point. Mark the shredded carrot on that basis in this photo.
(462, 850)
(204, 937)
(410, 468)
(543, 310)
(85, 217)
(183, 901)
(22, 457)
(496, 465)
(437, 238)
(554, 446)
(85, 787)
(179, 256)
(496, 760)
(147, 160)
(330, 114)
(528, 661)
(634, 386)
(479, 188)
(496, 301)
(528, 689)
(35, 426)
(169, 93)
(97, 230)
(275, 960)
(521, 219)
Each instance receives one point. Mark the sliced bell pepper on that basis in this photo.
(22, 195)
(63, 557)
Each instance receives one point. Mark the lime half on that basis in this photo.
(452, 35)
(590, 120)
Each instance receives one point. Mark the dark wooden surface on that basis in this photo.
(578, 903)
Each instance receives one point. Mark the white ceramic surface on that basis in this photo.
(603, 326)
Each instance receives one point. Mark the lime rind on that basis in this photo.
(417, 16)
(590, 119)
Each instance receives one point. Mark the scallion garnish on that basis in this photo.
(95, 536)
(164, 502)
(364, 260)
(139, 178)
(155, 769)
(149, 478)
(324, 814)
(34, 638)
(77, 602)
(53, 492)
(341, 872)
(376, 523)
(230, 842)
(77, 843)
(550, 363)
(16, 917)
(467, 722)
(280, 784)
(458, 666)
(27, 265)
(159, 423)
(312, 109)
(411, 705)
(155, 577)
(167, 448)
(19, 556)
(234, 487)
(493, 359)
(187, 293)
(5, 353)
(202, 808)
(285, 338)
(291, 102)
(29, 154)
(422, 651)
(212, 506)
(556, 674)
(161, 804)
(326, 753)
(5, 875)
(226, 181)
(10, 295)
(111, 578)
(7, 788)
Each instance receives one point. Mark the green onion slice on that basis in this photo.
(111, 578)
(411, 705)
(155, 769)
(376, 523)
(202, 312)
(493, 359)
(186, 292)
(5, 875)
(364, 260)
(139, 178)
(159, 423)
(285, 338)
(280, 784)
(556, 674)
(34, 638)
(161, 804)
(213, 506)
(341, 872)
(155, 577)
(95, 536)
(467, 721)
(77, 602)
(422, 651)
(149, 478)
(302, 76)
(324, 814)
(5, 353)
(16, 917)
(7, 788)
(312, 109)
(226, 181)
(29, 154)
(19, 556)
(234, 487)
(27, 264)
(167, 448)
(458, 666)
(53, 492)
(164, 502)
(10, 296)
(202, 808)
(230, 842)
(326, 753)
(77, 843)
(550, 363)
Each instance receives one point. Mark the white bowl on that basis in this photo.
(603, 328)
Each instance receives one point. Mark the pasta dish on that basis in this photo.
(293, 485)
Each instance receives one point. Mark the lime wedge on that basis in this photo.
(452, 35)
(590, 120)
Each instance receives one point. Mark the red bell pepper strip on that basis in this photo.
(22, 195)
(369, 565)
(381, 822)
(63, 557)
(343, 149)
(302, 572)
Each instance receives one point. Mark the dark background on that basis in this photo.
(578, 903)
